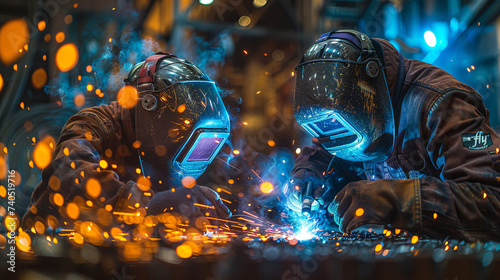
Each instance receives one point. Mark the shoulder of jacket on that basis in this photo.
(421, 74)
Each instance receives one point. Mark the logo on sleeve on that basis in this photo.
(477, 141)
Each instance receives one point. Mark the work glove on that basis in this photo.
(133, 197)
(304, 192)
(190, 202)
(392, 202)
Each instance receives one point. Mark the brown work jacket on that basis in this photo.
(95, 143)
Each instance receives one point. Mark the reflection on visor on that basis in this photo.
(328, 126)
(204, 149)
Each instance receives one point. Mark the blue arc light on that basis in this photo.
(430, 38)
(206, 2)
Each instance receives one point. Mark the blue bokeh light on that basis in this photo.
(430, 38)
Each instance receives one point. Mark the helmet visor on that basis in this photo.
(340, 103)
(184, 128)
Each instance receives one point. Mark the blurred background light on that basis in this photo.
(430, 38)
(206, 2)
(244, 21)
(259, 3)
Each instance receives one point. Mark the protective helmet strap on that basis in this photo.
(148, 69)
(367, 49)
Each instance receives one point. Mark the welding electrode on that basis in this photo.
(307, 199)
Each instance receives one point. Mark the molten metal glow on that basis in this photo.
(304, 234)
(307, 229)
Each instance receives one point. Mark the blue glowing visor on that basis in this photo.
(201, 148)
(333, 132)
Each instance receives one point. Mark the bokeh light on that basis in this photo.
(67, 57)
(360, 212)
(181, 108)
(127, 96)
(188, 182)
(14, 34)
(42, 155)
(103, 164)
(39, 78)
(144, 183)
(93, 187)
(259, 3)
(244, 21)
(72, 210)
(79, 100)
(3, 168)
(58, 199)
(23, 242)
(430, 38)
(206, 2)
(54, 183)
(60, 37)
(68, 19)
(184, 251)
(42, 25)
(414, 239)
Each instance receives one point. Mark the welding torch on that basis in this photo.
(307, 199)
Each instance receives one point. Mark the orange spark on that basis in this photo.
(203, 205)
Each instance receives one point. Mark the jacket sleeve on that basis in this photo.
(464, 202)
(76, 160)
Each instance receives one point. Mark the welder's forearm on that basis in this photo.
(463, 210)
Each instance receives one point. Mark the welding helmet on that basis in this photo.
(342, 98)
(180, 119)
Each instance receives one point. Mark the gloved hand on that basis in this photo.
(132, 197)
(182, 201)
(392, 202)
(304, 192)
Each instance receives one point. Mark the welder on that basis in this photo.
(398, 143)
(145, 157)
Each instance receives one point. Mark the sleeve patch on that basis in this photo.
(476, 141)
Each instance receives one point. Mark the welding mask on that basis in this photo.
(342, 98)
(180, 119)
